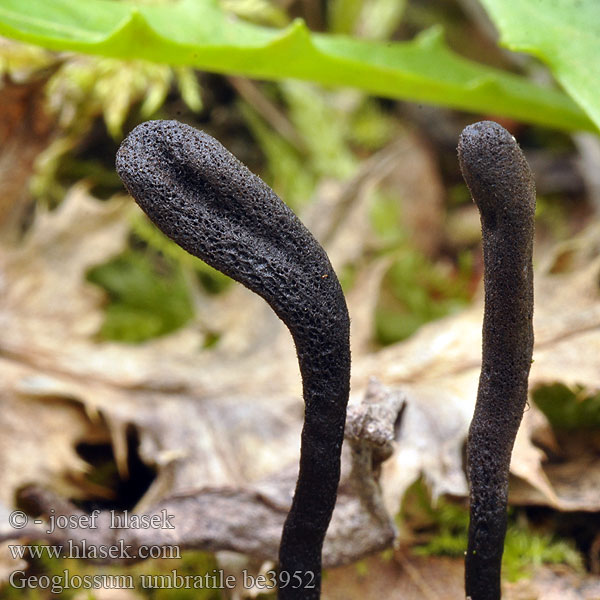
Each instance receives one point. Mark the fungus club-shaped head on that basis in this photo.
(496, 171)
(210, 204)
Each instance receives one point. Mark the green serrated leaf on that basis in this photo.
(565, 34)
(198, 33)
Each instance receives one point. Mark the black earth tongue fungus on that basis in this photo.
(210, 204)
(502, 186)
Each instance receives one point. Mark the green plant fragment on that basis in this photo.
(566, 408)
(200, 34)
(565, 34)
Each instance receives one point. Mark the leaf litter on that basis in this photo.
(221, 427)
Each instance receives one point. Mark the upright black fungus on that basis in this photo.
(210, 204)
(503, 189)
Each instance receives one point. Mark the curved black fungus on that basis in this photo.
(210, 204)
(503, 189)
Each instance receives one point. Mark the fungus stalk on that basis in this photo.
(210, 204)
(502, 186)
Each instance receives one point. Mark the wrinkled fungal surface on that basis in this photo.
(502, 186)
(210, 204)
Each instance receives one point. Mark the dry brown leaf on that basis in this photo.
(400, 577)
(439, 368)
(554, 583)
(574, 475)
(406, 577)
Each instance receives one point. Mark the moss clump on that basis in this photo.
(148, 296)
(441, 530)
(416, 288)
(568, 408)
(524, 550)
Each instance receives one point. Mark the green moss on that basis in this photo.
(148, 296)
(525, 549)
(322, 119)
(315, 145)
(441, 530)
(416, 291)
(371, 127)
(287, 170)
(568, 408)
